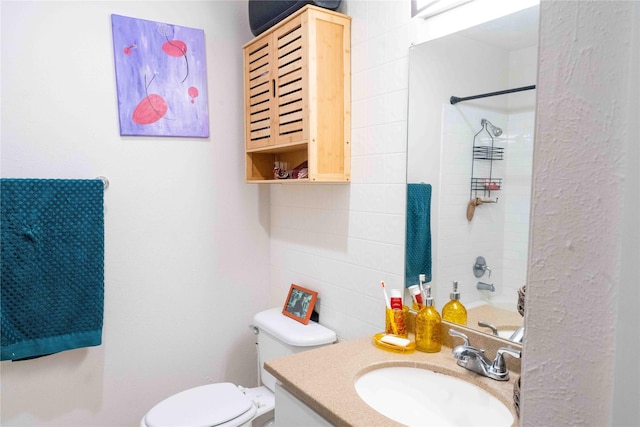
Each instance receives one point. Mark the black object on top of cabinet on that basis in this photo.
(264, 14)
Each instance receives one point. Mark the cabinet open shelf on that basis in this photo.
(260, 162)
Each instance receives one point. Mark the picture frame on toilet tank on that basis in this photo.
(299, 304)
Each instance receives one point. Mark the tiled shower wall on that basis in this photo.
(342, 240)
(460, 241)
(521, 124)
(517, 200)
(498, 232)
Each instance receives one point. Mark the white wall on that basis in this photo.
(186, 240)
(625, 410)
(581, 348)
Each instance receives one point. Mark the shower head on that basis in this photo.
(493, 130)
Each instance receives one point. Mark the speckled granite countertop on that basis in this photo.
(324, 378)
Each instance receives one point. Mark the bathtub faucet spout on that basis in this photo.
(482, 286)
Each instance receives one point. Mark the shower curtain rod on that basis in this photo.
(454, 99)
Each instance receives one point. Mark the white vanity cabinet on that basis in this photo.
(290, 411)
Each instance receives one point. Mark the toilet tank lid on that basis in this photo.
(292, 332)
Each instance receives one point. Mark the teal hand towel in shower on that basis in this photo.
(418, 248)
(52, 272)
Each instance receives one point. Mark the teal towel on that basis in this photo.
(418, 231)
(52, 256)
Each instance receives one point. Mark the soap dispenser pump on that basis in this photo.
(428, 326)
(454, 311)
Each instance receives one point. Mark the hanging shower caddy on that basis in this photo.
(483, 182)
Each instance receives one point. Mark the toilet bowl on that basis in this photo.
(222, 404)
(228, 405)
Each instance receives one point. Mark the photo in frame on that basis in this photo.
(299, 304)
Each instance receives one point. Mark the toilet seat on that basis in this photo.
(208, 405)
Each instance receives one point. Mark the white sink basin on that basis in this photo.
(418, 397)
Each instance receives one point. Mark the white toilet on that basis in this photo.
(228, 405)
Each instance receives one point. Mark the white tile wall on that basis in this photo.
(498, 232)
(342, 240)
(519, 160)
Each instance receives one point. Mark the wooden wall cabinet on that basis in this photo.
(297, 93)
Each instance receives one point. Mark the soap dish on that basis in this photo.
(410, 348)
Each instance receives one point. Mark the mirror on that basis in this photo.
(495, 56)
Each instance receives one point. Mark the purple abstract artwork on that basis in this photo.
(161, 78)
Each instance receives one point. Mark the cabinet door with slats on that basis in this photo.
(291, 85)
(259, 87)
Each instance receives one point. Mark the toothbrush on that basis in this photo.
(386, 297)
(421, 279)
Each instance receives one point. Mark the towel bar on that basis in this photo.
(105, 181)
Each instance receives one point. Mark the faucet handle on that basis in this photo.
(499, 366)
(488, 325)
(480, 267)
(510, 351)
(455, 333)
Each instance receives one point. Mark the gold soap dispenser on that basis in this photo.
(454, 311)
(428, 326)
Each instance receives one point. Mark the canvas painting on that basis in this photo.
(161, 78)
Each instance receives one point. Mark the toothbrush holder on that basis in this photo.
(396, 321)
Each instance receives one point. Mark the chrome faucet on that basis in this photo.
(488, 325)
(475, 360)
(482, 286)
(518, 335)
